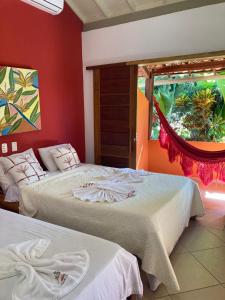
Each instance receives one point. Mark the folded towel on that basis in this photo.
(134, 172)
(105, 190)
(42, 278)
(124, 177)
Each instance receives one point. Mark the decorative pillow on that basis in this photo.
(23, 167)
(66, 158)
(6, 180)
(47, 158)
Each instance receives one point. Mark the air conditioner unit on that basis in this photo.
(53, 7)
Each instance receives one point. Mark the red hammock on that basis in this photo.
(207, 162)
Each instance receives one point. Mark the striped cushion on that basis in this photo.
(66, 158)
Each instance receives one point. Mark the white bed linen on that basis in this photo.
(113, 272)
(147, 225)
(12, 194)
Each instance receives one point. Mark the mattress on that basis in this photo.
(113, 272)
(147, 225)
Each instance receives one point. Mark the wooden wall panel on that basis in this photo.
(115, 86)
(116, 162)
(120, 99)
(115, 115)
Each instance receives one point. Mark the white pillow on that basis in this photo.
(66, 158)
(24, 168)
(47, 157)
(6, 180)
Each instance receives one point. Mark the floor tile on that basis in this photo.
(219, 233)
(214, 219)
(211, 293)
(197, 237)
(179, 249)
(190, 273)
(148, 294)
(193, 272)
(214, 261)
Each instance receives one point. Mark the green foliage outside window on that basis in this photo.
(195, 109)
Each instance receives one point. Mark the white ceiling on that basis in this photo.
(95, 10)
(103, 13)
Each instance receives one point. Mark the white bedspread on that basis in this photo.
(147, 225)
(113, 272)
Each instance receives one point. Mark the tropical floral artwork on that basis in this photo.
(19, 101)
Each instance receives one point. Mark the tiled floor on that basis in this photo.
(199, 257)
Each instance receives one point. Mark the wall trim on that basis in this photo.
(218, 54)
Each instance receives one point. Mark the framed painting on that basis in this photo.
(19, 101)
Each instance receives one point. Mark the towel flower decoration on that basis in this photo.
(104, 191)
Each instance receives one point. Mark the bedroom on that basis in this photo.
(33, 39)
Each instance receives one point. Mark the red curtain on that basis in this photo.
(208, 162)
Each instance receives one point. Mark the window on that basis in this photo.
(193, 101)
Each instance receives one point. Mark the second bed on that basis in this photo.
(147, 225)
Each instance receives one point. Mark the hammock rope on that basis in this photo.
(209, 164)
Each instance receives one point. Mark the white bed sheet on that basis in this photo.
(13, 192)
(113, 273)
(147, 225)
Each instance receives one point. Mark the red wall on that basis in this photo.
(34, 39)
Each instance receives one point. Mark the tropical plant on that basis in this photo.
(203, 102)
(217, 128)
(182, 100)
(221, 86)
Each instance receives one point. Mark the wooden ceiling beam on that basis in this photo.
(217, 64)
(184, 80)
(145, 71)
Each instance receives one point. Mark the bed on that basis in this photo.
(147, 225)
(113, 272)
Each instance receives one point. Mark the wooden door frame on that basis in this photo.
(133, 116)
(97, 125)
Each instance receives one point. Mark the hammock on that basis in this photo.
(208, 163)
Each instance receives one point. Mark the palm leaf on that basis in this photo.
(35, 73)
(26, 93)
(35, 118)
(223, 111)
(30, 103)
(7, 113)
(34, 112)
(13, 118)
(18, 94)
(11, 80)
(16, 125)
(221, 85)
(165, 103)
(2, 74)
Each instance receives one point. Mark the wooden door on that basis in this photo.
(115, 97)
